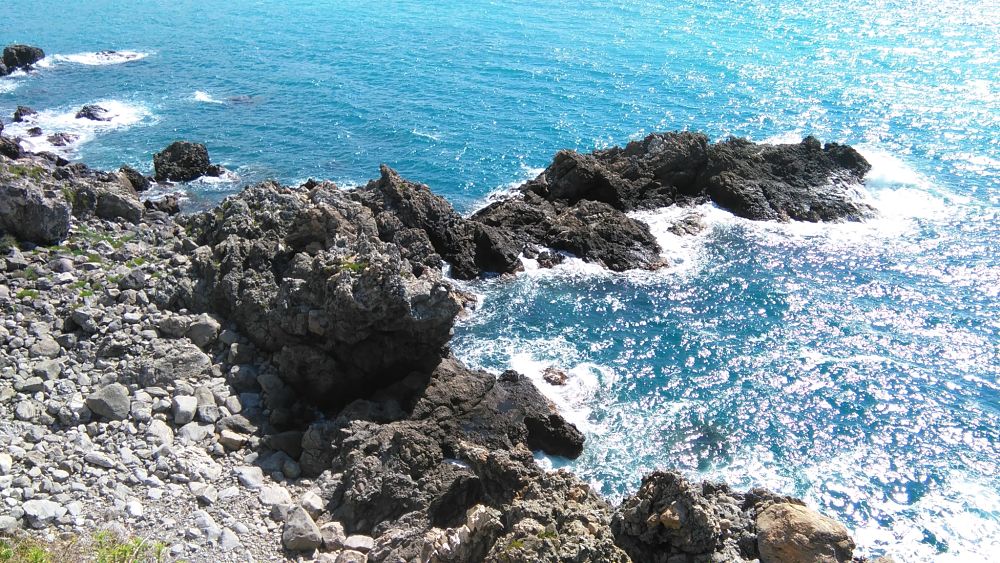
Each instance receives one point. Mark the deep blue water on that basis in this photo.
(856, 366)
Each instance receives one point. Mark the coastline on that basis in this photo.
(267, 295)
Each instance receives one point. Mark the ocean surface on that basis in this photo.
(853, 365)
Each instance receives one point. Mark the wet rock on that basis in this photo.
(182, 161)
(801, 182)
(61, 139)
(94, 112)
(21, 56)
(554, 376)
(791, 533)
(23, 113)
(169, 204)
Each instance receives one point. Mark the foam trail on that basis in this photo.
(98, 58)
(79, 131)
(426, 135)
(201, 96)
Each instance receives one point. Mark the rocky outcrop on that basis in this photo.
(21, 57)
(579, 203)
(30, 212)
(139, 182)
(305, 273)
(800, 182)
(411, 216)
(792, 533)
(672, 519)
(183, 161)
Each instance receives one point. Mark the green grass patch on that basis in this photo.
(103, 547)
(22, 171)
(27, 293)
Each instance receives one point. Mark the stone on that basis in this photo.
(6, 463)
(300, 532)
(8, 525)
(184, 408)
(313, 504)
(271, 495)
(194, 433)
(99, 459)
(160, 433)
(33, 214)
(111, 401)
(333, 535)
(791, 533)
(250, 477)
(135, 178)
(41, 513)
(232, 440)
(229, 541)
(351, 556)
(360, 543)
(45, 347)
(204, 492)
(204, 331)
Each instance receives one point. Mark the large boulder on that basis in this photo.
(305, 275)
(801, 182)
(791, 533)
(182, 161)
(471, 248)
(21, 56)
(30, 211)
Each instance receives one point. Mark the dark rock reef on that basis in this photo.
(19, 57)
(183, 161)
(316, 322)
(579, 203)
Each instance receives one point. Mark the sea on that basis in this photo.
(853, 365)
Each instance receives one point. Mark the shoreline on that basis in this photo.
(197, 295)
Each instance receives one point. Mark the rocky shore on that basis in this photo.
(271, 378)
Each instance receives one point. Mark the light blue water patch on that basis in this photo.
(853, 365)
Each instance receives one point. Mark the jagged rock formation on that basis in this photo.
(302, 331)
(183, 161)
(19, 57)
(579, 203)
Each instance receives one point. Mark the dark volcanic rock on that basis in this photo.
(22, 112)
(471, 248)
(802, 182)
(306, 276)
(578, 203)
(671, 517)
(10, 148)
(3, 69)
(169, 204)
(139, 182)
(61, 139)
(94, 113)
(182, 161)
(35, 132)
(21, 56)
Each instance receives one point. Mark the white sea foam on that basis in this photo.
(98, 58)
(227, 177)
(426, 135)
(507, 190)
(7, 86)
(202, 96)
(123, 115)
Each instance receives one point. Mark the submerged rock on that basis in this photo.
(94, 112)
(22, 113)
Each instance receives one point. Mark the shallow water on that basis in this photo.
(855, 365)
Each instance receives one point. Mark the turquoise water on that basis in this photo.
(855, 365)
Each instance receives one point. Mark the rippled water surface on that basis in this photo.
(855, 365)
